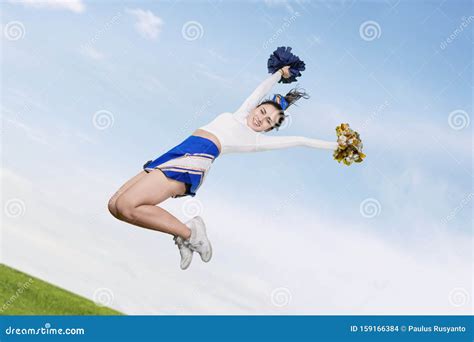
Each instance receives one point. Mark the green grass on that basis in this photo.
(21, 294)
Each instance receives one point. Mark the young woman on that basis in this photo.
(182, 170)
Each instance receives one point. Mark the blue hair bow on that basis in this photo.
(281, 101)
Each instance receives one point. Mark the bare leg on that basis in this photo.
(121, 190)
(137, 205)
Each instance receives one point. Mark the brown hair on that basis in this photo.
(291, 97)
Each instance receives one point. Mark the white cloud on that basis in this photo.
(218, 56)
(76, 6)
(203, 70)
(410, 138)
(92, 52)
(329, 267)
(16, 129)
(148, 24)
(33, 134)
(382, 130)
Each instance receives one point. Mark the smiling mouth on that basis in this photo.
(256, 122)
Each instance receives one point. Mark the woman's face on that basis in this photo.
(263, 118)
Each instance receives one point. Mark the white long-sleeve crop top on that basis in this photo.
(235, 136)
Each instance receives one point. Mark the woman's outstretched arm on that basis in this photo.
(258, 94)
(266, 143)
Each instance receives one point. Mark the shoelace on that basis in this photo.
(186, 243)
(178, 241)
(195, 246)
(183, 243)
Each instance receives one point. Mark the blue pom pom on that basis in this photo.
(281, 57)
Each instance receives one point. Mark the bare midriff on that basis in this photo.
(205, 134)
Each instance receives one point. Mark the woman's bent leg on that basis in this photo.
(121, 190)
(137, 205)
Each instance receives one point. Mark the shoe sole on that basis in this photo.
(186, 266)
(209, 242)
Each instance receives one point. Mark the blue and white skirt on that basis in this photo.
(188, 162)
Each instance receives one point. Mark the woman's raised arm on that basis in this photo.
(258, 94)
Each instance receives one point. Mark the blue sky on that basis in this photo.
(135, 61)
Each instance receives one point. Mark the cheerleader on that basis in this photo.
(182, 170)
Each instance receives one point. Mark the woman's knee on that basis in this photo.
(124, 209)
(112, 207)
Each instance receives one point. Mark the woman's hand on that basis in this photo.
(285, 72)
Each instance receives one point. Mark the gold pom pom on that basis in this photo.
(350, 146)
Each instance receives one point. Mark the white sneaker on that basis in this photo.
(185, 252)
(198, 241)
